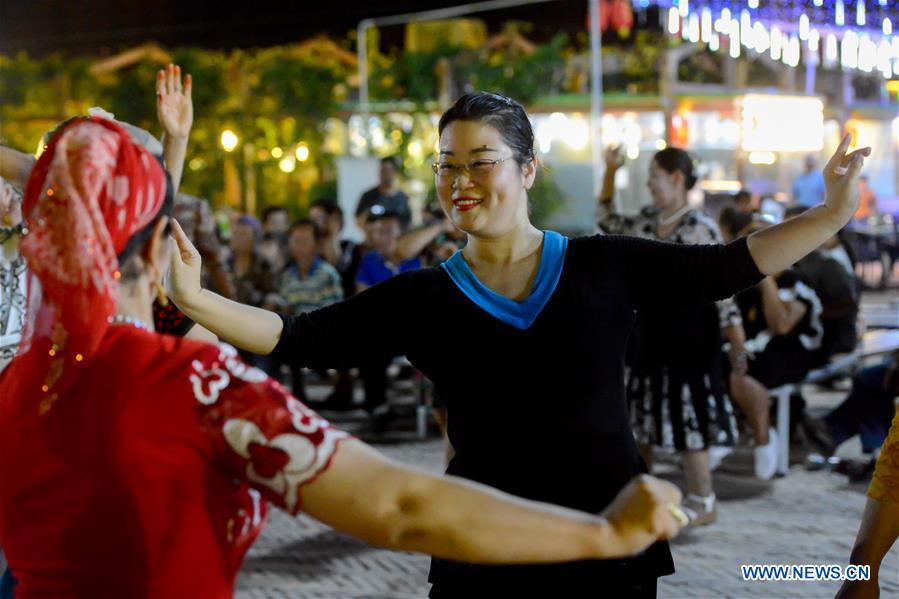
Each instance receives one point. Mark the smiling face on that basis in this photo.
(664, 187)
(487, 204)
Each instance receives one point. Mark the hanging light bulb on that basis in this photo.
(803, 26)
(735, 39)
(761, 40)
(705, 30)
(694, 28)
(887, 26)
(775, 44)
(745, 26)
(814, 40)
(673, 21)
(839, 13)
(849, 50)
(884, 59)
(860, 12)
(831, 51)
(867, 54)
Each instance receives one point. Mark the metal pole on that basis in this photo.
(362, 57)
(596, 95)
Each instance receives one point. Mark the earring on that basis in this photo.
(161, 297)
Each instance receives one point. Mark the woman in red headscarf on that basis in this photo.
(138, 464)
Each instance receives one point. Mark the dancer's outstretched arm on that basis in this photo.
(252, 329)
(779, 247)
(394, 506)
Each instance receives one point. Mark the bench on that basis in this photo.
(873, 343)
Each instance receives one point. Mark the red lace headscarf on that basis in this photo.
(91, 190)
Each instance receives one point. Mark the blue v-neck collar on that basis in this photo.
(520, 315)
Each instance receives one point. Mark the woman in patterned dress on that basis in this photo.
(676, 384)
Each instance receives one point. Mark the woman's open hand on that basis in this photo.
(174, 106)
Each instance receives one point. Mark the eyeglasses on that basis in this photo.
(476, 168)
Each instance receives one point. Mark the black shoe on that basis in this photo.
(861, 472)
(818, 433)
(380, 419)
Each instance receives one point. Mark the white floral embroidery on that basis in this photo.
(208, 383)
(306, 460)
(237, 368)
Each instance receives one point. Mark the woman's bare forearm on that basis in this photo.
(174, 154)
(248, 328)
(779, 247)
(396, 507)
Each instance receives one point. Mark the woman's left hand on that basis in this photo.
(174, 106)
(841, 179)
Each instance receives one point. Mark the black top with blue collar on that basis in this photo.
(534, 389)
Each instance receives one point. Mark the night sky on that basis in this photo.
(94, 27)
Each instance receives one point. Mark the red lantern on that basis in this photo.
(622, 18)
(604, 16)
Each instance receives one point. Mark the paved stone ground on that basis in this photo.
(804, 518)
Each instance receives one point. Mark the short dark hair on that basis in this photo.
(501, 112)
(329, 205)
(675, 159)
(305, 222)
(269, 210)
(733, 221)
(742, 196)
(393, 161)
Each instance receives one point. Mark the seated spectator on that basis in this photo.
(867, 411)
(828, 270)
(745, 203)
(307, 283)
(386, 194)
(782, 320)
(253, 278)
(199, 224)
(344, 254)
(383, 261)
(378, 265)
(734, 222)
(275, 225)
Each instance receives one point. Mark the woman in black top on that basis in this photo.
(519, 306)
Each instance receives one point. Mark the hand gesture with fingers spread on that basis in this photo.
(174, 106)
(841, 178)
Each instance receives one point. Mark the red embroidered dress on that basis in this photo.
(134, 465)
